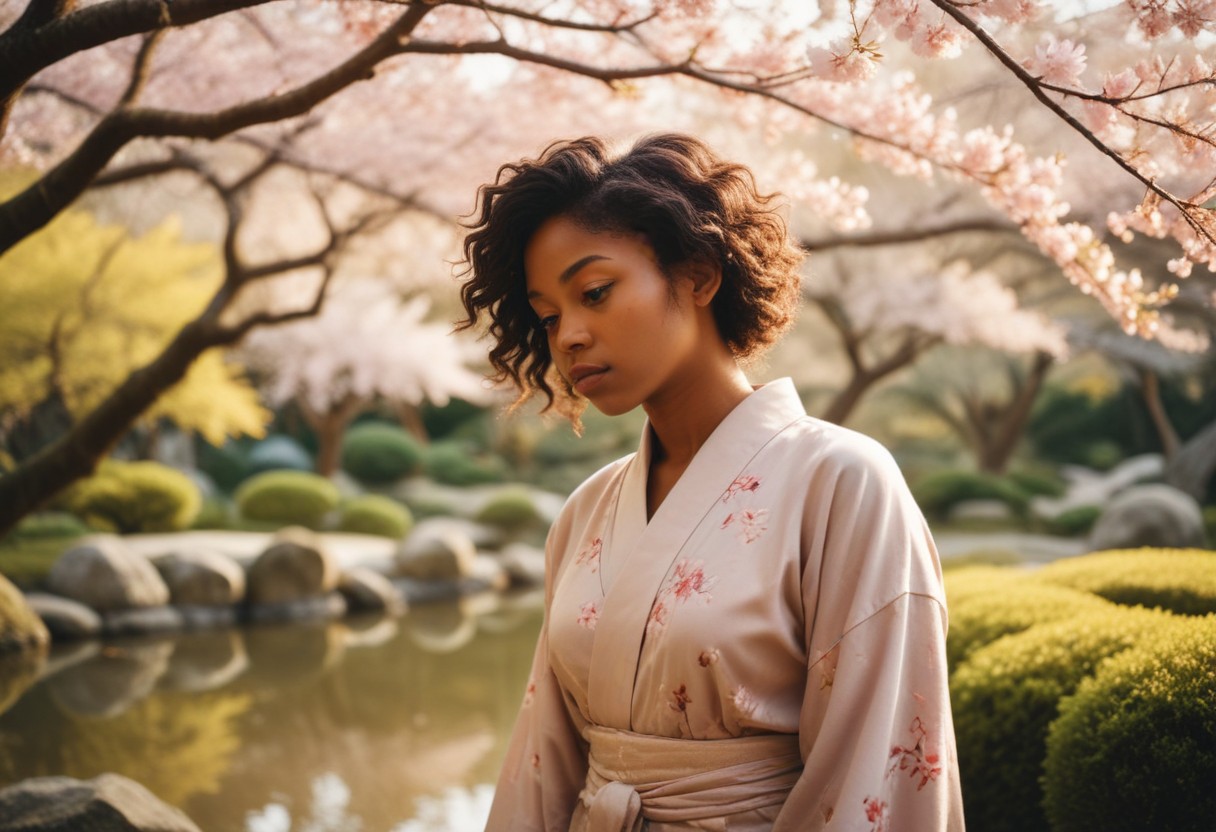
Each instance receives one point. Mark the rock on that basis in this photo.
(109, 803)
(207, 618)
(1149, 515)
(436, 551)
(524, 564)
(980, 510)
(366, 590)
(102, 574)
(66, 619)
(319, 607)
(148, 621)
(278, 451)
(206, 661)
(487, 573)
(112, 681)
(20, 627)
(295, 566)
(202, 578)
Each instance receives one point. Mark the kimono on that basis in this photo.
(766, 653)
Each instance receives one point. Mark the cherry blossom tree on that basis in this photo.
(417, 102)
(367, 345)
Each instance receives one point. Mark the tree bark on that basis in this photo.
(1007, 424)
(330, 428)
(1150, 387)
(410, 417)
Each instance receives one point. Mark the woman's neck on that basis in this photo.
(687, 412)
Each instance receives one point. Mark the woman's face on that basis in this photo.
(619, 331)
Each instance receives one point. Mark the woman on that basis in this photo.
(744, 622)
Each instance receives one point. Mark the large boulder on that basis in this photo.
(1149, 515)
(367, 590)
(294, 567)
(525, 564)
(109, 803)
(437, 552)
(202, 578)
(64, 618)
(103, 574)
(20, 626)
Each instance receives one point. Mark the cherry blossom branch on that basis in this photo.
(911, 235)
(558, 23)
(1036, 89)
(32, 208)
(141, 69)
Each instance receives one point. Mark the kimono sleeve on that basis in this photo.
(546, 760)
(875, 729)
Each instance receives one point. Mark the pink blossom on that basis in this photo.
(589, 614)
(1121, 85)
(1058, 61)
(942, 40)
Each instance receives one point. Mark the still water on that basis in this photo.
(361, 725)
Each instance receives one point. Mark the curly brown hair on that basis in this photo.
(689, 205)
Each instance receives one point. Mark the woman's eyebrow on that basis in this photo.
(572, 270)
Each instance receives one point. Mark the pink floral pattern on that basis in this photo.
(708, 657)
(589, 614)
(751, 523)
(590, 554)
(687, 582)
(915, 760)
(876, 814)
(679, 703)
(742, 484)
(530, 692)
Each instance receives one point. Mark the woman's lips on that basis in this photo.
(586, 377)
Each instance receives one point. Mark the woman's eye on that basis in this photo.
(597, 293)
(547, 322)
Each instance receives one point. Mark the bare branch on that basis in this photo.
(519, 14)
(33, 208)
(140, 70)
(911, 235)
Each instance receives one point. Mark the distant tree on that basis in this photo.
(367, 345)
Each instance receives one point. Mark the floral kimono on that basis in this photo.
(766, 653)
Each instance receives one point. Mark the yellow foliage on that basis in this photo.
(106, 304)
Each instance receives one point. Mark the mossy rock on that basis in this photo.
(20, 627)
(1006, 695)
(1135, 747)
(1179, 580)
(510, 508)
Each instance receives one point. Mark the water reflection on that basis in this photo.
(367, 724)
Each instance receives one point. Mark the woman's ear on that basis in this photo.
(706, 278)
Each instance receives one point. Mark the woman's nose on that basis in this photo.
(572, 333)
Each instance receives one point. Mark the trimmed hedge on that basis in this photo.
(130, 497)
(939, 492)
(1135, 747)
(1073, 522)
(452, 463)
(511, 508)
(374, 514)
(991, 605)
(1179, 580)
(288, 498)
(377, 452)
(1006, 695)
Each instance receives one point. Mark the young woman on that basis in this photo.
(744, 623)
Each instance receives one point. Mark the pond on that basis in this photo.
(353, 726)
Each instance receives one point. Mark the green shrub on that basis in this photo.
(1102, 455)
(939, 492)
(1135, 748)
(994, 607)
(278, 452)
(228, 466)
(287, 498)
(130, 497)
(511, 508)
(50, 524)
(216, 513)
(1179, 580)
(376, 452)
(374, 514)
(1073, 522)
(1007, 694)
(983, 557)
(1039, 482)
(1209, 523)
(452, 463)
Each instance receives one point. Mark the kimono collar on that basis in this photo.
(637, 555)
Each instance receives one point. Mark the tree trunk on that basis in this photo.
(864, 378)
(1150, 387)
(1010, 421)
(330, 428)
(410, 417)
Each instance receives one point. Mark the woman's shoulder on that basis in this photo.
(830, 448)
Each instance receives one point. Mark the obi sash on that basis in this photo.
(634, 777)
